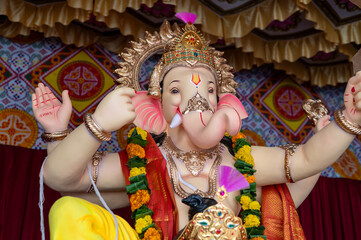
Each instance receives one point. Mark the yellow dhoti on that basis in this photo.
(75, 218)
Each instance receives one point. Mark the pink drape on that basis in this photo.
(332, 211)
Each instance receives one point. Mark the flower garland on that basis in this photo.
(138, 188)
(251, 214)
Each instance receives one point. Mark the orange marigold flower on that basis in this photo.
(135, 150)
(257, 238)
(138, 199)
(251, 179)
(239, 135)
(152, 234)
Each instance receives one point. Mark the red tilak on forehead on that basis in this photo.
(196, 79)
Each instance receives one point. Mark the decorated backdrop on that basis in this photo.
(272, 99)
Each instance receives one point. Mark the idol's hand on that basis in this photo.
(116, 109)
(53, 115)
(352, 99)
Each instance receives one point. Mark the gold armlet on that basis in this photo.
(95, 129)
(289, 151)
(55, 136)
(96, 159)
(346, 125)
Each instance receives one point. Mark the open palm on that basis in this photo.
(53, 115)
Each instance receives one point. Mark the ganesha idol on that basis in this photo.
(188, 171)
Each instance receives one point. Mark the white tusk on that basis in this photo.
(176, 121)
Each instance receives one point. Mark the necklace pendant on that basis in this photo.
(194, 164)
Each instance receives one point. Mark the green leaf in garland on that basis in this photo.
(261, 236)
(134, 187)
(141, 212)
(244, 167)
(255, 230)
(247, 212)
(139, 178)
(137, 140)
(240, 142)
(137, 162)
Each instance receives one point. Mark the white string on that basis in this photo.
(104, 203)
(41, 200)
(180, 177)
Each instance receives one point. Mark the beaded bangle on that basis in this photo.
(55, 136)
(346, 125)
(95, 129)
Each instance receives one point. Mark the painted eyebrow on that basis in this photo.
(211, 82)
(173, 82)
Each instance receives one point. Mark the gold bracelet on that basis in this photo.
(95, 129)
(55, 136)
(346, 125)
(289, 151)
(97, 157)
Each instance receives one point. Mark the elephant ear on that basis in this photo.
(149, 114)
(229, 100)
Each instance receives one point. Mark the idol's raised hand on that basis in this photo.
(49, 111)
(352, 99)
(116, 109)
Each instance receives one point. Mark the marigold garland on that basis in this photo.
(138, 199)
(152, 234)
(142, 223)
(135, 150)
(138, 188)
(251, 214)
(135, 171)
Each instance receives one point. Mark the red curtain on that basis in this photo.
(332, 211)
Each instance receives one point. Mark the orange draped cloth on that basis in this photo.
(279, 215)
(162, 200)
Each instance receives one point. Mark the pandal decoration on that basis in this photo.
(218, 221)
(138, 187)
(251, 214)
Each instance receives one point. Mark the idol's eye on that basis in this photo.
(231, 225)
(211, 90)
(174, 91)
(203, 223)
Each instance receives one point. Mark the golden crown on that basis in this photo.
(189, 45)
(185, 46)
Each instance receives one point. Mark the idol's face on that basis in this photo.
(181, 84)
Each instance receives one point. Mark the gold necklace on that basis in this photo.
(212, 176)
(194, 161)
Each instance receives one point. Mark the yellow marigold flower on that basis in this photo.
(227, 134)
(251, 221)
(245, 200)
(138, 199)
(254, 205)
(135, 150)
(140, 131)
(152, 234)
(245, 150)
(142, 223)
(248, 159)
(136, 171)
(239, 135)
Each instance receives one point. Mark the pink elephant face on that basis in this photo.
(182, 84)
